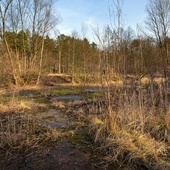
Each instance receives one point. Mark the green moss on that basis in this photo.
(75, 138)
(87, 143)
(62, 91)
(91, 95)
(42, 100)
(26, 99)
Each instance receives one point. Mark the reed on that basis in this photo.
(132, 126)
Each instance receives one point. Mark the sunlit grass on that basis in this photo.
(131, 125)
(133, 129)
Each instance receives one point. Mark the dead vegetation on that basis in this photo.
(20, 134)
(130, 124)
(132, 127)
(29, 126)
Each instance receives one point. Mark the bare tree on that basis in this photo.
(4, 9)
(118, 38)
(31, 21)
(158, 24)
(116, 18)
(46, 23)
(158, 19)
(84, 31)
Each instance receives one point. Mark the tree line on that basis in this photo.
(28, 52)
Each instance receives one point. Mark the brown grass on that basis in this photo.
(133, 127)
(20, 133)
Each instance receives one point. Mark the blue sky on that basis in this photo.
(95, 13)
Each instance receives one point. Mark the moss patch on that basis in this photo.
(42, 100)
(63, 91)
(91, 95)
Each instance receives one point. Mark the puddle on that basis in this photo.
(56, 124)
(70, 97)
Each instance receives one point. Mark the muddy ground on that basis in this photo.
(73, 150)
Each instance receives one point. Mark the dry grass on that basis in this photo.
(22, 134)
(15, 105)
(134, 129)
(19, 132)
(130, 123)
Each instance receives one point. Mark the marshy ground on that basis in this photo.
(60, 128)
(47, 129)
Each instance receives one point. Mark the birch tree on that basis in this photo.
(31, 21)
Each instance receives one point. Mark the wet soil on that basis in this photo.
(64, 156)
(72, 151)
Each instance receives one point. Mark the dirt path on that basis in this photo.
(69, 153)
(64, 156)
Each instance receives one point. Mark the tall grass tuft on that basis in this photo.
(20, 133)
(133, 126)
